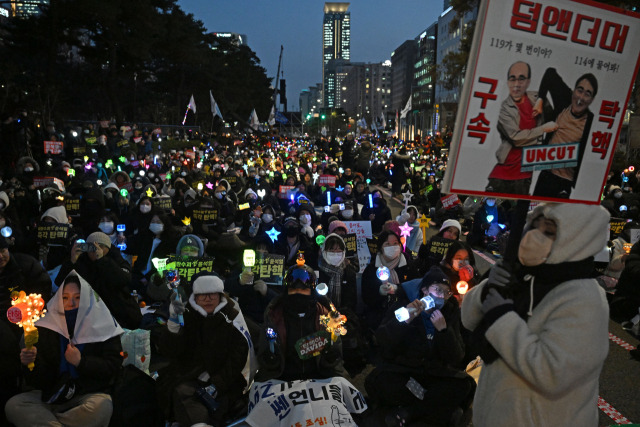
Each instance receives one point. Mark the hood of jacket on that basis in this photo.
(582, 230)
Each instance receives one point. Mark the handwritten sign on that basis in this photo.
(53, 234)
(53, 147)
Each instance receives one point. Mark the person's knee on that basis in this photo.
(102, 407)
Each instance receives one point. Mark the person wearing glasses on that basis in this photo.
(210, 351)
(418, 381)
(519, 126)
(571, 113)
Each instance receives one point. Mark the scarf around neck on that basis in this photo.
(335, 279)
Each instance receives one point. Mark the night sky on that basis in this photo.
(377, 28)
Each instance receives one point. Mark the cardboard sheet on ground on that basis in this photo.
(327, 402)
(499, 146)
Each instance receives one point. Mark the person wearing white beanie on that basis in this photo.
(209, 347)
(544, 323)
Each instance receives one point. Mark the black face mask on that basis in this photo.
(298, 303)
(291, 231)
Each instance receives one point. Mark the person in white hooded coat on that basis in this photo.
(546, 344)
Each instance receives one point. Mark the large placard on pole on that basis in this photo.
(545, 94)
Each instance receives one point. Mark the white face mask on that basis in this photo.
(28, 169)
(347, 213)
(617, 194)
(156, 228)
(267, 218)
(391, 252)
(305, 219)
(534, 248)
(145, 209)
(334, 258)
(106, 227)
(457, 264)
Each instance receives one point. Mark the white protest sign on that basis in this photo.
(362, 230)
(544, 99)
(305, 403)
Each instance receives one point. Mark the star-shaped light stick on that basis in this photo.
(405, 231)
(273, 234)
(210, 185)
(186, 221)
(316, 175)
(406, 198)
(424, 224)
(149, 192)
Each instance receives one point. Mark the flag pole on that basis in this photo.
(185, 115)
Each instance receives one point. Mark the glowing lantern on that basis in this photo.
(25, 311)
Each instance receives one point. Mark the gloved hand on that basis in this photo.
(260, 286)
(466, 273)
(388, 289)
(175, 308)
(493, 300)
(308, 231)
(246, 278)
(500, 274)
(402, 218)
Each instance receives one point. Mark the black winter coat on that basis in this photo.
(98, 368)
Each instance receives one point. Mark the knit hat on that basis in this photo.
(337, 224)
(192, 241)
(100, 238)
(451, 223)
(208, 284)
(435, 275)
(59, 213)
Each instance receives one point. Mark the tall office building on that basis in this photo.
(336, 45)
(24, 9)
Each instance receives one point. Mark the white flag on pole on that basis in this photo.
(215, 110)
(406, 109)
(192, 104)
(272, 116)
(383, 121)
(254, 123)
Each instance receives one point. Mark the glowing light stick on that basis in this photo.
(334, 323)
(261, 193)
(6, 231)
(489, 218)
(322, 289)
(149, 192)
(371, 201)
(404, 313)
(186, 221)
(172, 278)
(272, 336)
(383, 273)
(405, 232)
(320, 240)
(25, 310)
(249, 260)
(328, 198)
(121, 228)
(462, 287)
(124, 192)
(300, 260)
(71, 172)
(200, 186)
(273, 234)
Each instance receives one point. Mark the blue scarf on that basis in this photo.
(70, 316)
